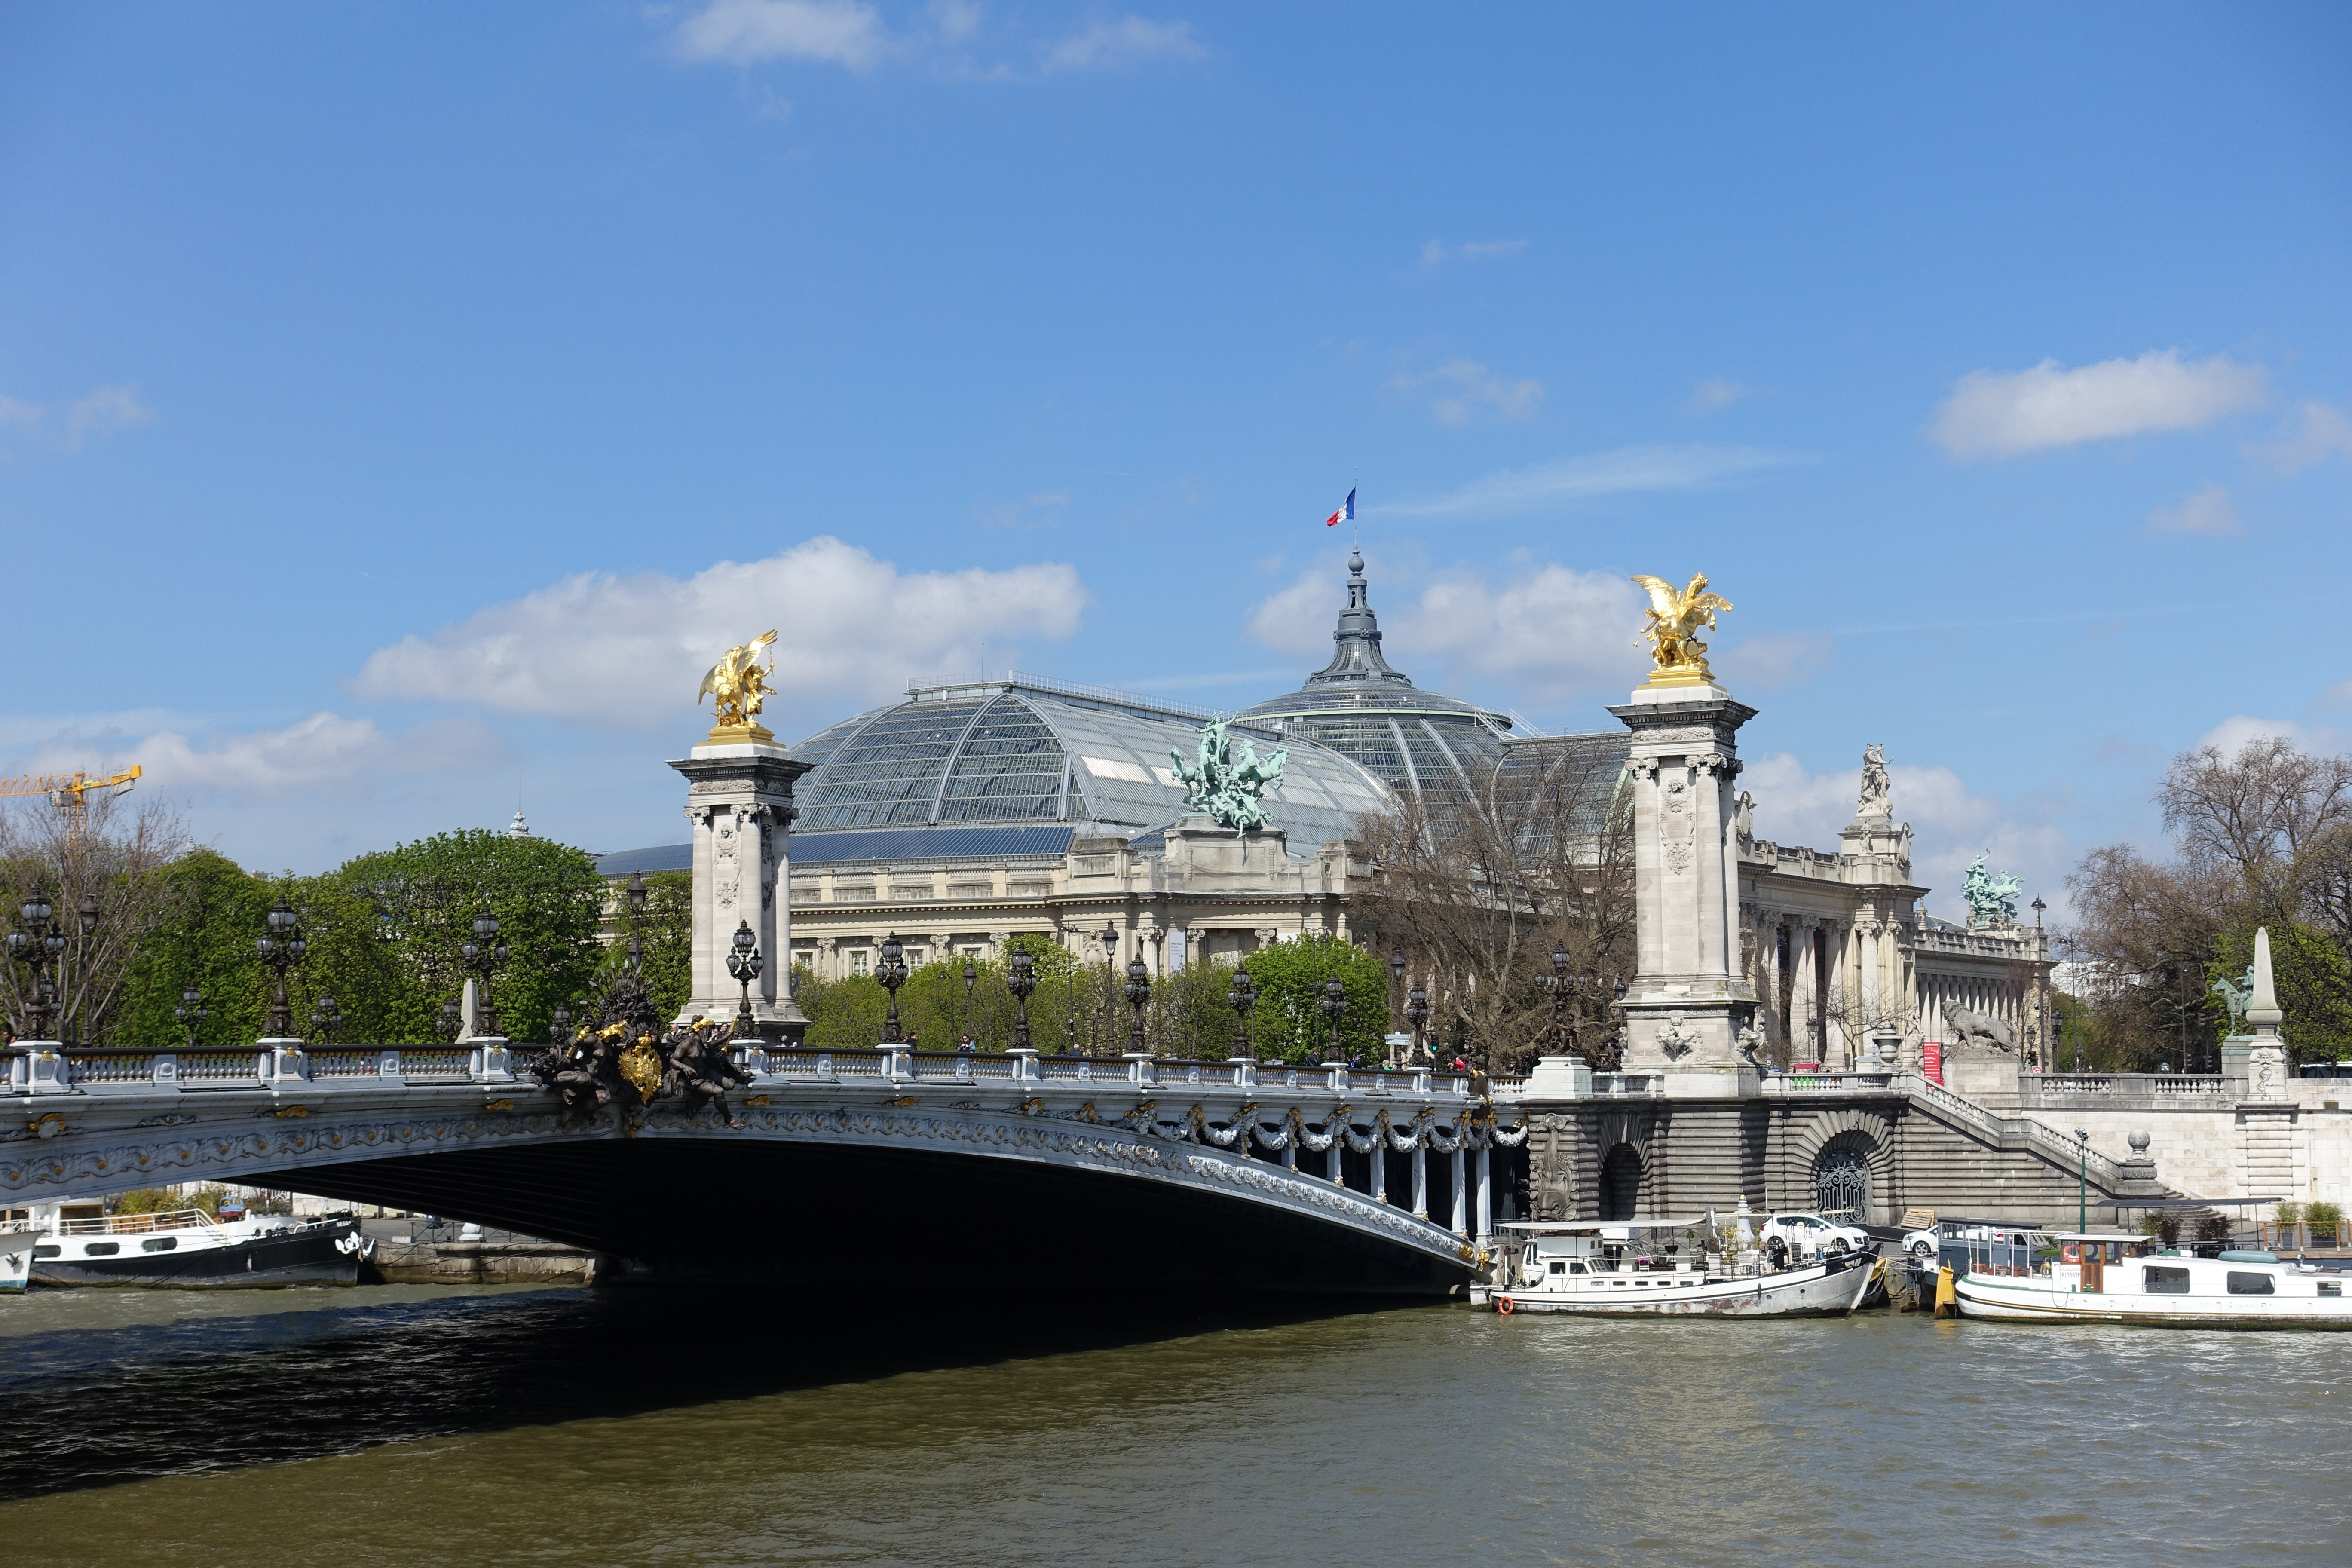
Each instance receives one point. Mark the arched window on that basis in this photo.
(1842, 1180)
(1621, 1183)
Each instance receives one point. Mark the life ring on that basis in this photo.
(2069, 1252)
(1502, 1305)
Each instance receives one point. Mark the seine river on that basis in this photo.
(402, 1425)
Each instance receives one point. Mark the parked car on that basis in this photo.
(1811, 1235)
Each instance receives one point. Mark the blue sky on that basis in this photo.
(403, 403)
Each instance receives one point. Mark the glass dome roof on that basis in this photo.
(1359, 706)
(1023, 751)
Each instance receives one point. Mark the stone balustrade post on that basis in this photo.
(1244, 1071)
(895, 1062)
(1024, 1064)
(163, 1071)
(1486, 1183)
(285, 1061)
(1142, 1070)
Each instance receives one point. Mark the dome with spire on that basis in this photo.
(1362, 708)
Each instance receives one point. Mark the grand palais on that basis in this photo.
(975, 811)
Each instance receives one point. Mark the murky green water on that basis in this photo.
(420, 1425)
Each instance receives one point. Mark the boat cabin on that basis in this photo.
(1557, 1250)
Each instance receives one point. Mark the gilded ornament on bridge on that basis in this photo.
(738, 685)
(1671, 623)
(641, 1069)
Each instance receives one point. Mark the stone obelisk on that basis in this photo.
(1688, 1000)
(738, 796)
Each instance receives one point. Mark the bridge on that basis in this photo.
(892, 1168)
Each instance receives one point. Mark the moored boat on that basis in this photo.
(190, 1249)
(1602, 1268)
(2087, 1277)
(16, 1259)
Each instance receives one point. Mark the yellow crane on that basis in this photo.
(68, 793)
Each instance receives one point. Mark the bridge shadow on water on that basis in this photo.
(93, 1408)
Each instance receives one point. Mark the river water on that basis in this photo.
(423, 1426)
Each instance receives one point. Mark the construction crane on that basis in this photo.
(68, 792)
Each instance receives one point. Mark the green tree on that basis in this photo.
(2314, 983)
(1287, 1023)
(213, 908)
(666, 932)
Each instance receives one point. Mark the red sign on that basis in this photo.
(1931, 1060)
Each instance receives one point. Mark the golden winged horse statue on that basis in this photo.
(1670, 624)
(738, 685)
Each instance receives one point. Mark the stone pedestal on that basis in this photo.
(740, 799)
(1688, 999)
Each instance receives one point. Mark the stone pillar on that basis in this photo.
(740, 799)
(1379, 1163)
(1688, 998)
(1484, 1178)
(1461, 1190)
(1421, 1176)
(1332, 1169)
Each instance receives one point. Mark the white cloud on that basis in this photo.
(1627, 469)
(1546, 633)
(2235, 731)
(324, 751)
(1772, 660)
(630, 651)
(1468, 388)
(1997, 414)
(745, 32)
(1438, 252)
(13, 412)
(2205, 511)
(103, 412)
(1950, 825)
(1130, 40)
(1715, 392)
(2322, 433)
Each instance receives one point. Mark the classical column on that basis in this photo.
(740, 799)
(1380, 1158)
(1689, 997)
(1485, 1177)
(1331, 1167)
(1460, 1189)
(1421, 1176)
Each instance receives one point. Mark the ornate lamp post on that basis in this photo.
(1241, 996)
(1109, 937)
(281, 949)
(1021, 979)
(970, 977)
(743, 961)
(484, 954)
(1416, 1014)
(324, 1016)
(37, 946)
(892, 973)
(1334, 1004)
(636, 891)
(191, 1012)
(1396, 985)
(1139, 992)
(453, 1017)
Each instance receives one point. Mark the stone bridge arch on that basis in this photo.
(1818, 1143)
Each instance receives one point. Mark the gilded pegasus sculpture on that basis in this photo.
(1671, 625)
(738, 686)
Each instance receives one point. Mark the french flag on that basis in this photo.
(1346, 513)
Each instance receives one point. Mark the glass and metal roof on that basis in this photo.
(1023, 751)
(1359, 706)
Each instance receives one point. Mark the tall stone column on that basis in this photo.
(738, 795)
(1688, 999)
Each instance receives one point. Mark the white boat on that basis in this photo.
(189, 1247)
(1603, 1269)
(16, 1259)
(2093, 1277)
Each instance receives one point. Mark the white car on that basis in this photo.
(1810, 1236)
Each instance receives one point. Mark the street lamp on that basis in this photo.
(1416, 1014)
(1396, 973)
(892, 973)
(1334, 1003)
(1563, 987)
(191, 1011)
(1109, 937)
(1241, 997)
(324, 1016)
(1139, 992)
(2083, 1178)
(1021, 979)
(744, 964)
(971, 975)
(453, 1017)
(484, 954)
(281, 948)
(37, 946)
(636, 891)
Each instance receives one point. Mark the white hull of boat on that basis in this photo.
(1825, 1289)
(15, 1260)
(2038, 1300)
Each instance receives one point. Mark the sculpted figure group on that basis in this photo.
(628, 1059)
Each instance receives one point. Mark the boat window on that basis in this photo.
(2331, 1287)
(159, 1244)
(108, 1248)
(1559, 1269)
(48, 1251)
(2166, 1281)
(2248, 1282)
(1578, 1268)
